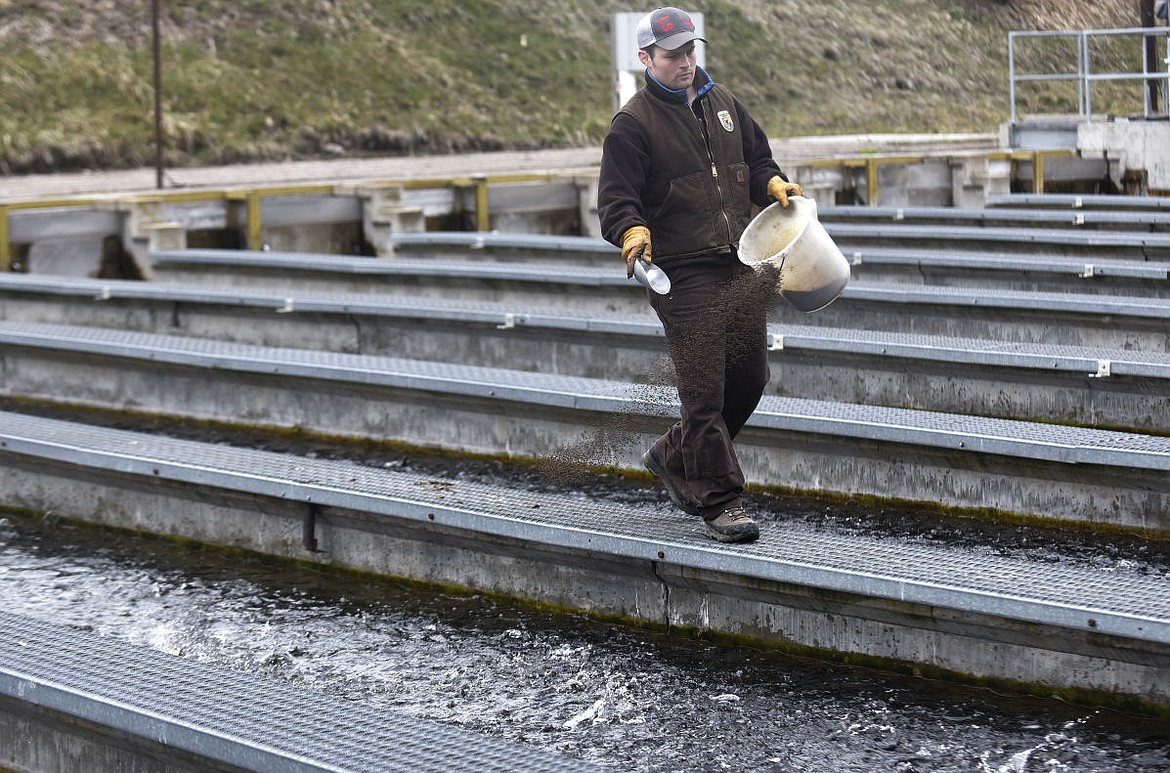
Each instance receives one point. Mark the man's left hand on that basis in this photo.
(780, 189)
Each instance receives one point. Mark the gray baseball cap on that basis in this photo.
(667, 28)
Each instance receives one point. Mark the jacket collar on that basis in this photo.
(702, 84)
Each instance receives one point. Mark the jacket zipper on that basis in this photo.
(705, 132)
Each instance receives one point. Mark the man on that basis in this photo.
(682, 164)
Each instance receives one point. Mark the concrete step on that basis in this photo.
(1115, 388)
(1075, 474)
(1087, 630)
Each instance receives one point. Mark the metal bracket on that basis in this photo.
(1104, 369)
(288, 306)
(509, 322)
(777, 343)
(857, 258)
(1087, 272)
(1079, 218)
(104, 295)
(309, 528)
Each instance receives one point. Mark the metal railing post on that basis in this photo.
(5, 247)
(1146, 71)
(252, 226)
(483, 218)
(1086, 105)
(871, 181)
(1012, 72)
(1166, 82)
(254, 235)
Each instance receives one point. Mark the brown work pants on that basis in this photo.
(715, 320)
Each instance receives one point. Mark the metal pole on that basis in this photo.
(1150, 50)
(1012, 72)
(5, 247)
(158, 138)
(1086, 97)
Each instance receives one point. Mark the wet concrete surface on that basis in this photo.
(623, 696)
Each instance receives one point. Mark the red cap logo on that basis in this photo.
(665, 23)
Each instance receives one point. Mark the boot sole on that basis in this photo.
(743, 536)
(650, 462)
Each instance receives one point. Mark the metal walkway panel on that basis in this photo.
(1079, 201)
(365, 304)
(974, 234)
(578, 275)
(1087, 219)
(391, 267)
(233, 717)
(1032, 381)
(450, 378)
(972, 351)
(371, 302)
(1049, 264)
(1063, 303)
(478, 240)
(569, 284)
(908, 346)
(972, 434)
(1080, 599)
(1088, 319)
(560, 284)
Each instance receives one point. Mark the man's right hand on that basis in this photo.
(635, 244)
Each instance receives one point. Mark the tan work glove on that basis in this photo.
(781, 190)
(635, 244)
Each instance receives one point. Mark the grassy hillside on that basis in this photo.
(270, 79)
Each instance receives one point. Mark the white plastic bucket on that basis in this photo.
(812, 270)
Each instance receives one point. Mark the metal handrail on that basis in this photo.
(1085, 77)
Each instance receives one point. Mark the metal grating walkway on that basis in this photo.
(376, 267)
(1065, 304)
(564, 278)
(974, 234)
(973, 434)
(1008, 263)
(366, 304)
(1027, 217)
(1080, 599)
(908, 346)
(236, 718)
(478, 240)
(1078, 201)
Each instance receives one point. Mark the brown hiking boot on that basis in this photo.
(676, 488)
(733, 525)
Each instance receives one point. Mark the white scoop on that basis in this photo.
(651, 276)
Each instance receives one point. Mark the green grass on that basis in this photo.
(268, 79)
